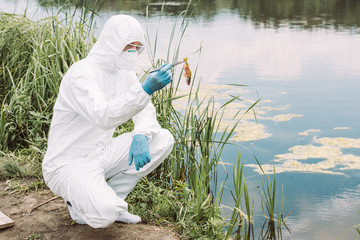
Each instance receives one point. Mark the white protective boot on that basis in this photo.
(127, 217)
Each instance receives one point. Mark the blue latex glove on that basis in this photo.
(139, 151)
(157, 80)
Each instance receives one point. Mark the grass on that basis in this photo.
(34, 57)
(175, 206)
(21, 163)
(34, 236)
(23, 187)
(183, 191)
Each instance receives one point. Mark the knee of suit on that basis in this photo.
(170, 140)
(167, 137)
(162, 143)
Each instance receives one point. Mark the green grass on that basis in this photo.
(34, 57)
(175, 206)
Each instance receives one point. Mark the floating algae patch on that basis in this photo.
(309, 151)
(306, 133)
(285, 117)
(325, 156)
(340, 142)
(237, 106)
(275, 108)
(350, 162)
(291, 166)
(341, 128)
(221, 91)
(205, 92)
(330, 155)
(225, 125)
(250, 132)
(233, 109)
(235, 114)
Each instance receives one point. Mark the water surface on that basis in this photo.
(302, 58)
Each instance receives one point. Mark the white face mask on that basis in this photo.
(127, 60)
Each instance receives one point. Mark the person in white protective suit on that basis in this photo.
(92, 171)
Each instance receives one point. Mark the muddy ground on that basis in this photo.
(52, 221)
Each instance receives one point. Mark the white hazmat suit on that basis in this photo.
(84, 164)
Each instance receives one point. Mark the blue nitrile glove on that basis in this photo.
(157, 80)
(139, 151)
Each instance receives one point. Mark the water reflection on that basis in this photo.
(138, 7)
(308, 14)
(337, 212)
(271, 231)
(305, 14)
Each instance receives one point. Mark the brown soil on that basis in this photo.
(52, 221)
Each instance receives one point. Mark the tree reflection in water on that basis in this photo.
(307, 14)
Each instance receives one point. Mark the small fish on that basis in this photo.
(187, 72)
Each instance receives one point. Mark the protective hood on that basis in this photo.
(118, 31)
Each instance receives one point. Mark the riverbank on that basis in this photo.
(52, 220)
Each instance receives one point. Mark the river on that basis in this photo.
(302, 58)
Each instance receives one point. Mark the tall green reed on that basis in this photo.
(272, 227)
(240, 224)
(199, 143)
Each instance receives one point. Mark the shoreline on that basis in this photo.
(52, 220)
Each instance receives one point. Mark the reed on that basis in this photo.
(240, 224)
(196, 154)
(272, 227)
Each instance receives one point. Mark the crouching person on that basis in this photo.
(92, 171)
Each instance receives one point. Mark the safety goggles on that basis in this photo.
(139, 48)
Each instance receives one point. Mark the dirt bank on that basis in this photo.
(52, 221)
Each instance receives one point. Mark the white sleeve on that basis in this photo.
(87, 99)
(146, 122)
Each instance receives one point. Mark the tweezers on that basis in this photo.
(172, 65)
